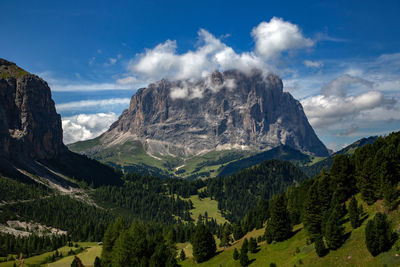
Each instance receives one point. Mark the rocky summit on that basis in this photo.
(29, 124)
(31, 136)
(229, 110)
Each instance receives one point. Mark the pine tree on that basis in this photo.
(279, 223)
(252, 245)
(243, 258)
(203, 244)
(320, 246)
(390, 195)
(226, 235)
(378, 234)
(268, 233)
(334, 230)
(366, 182)
(312, 212)
(237, 231)
(97, 262)
(370, 240)
(182, 255)
(245, 245)
(342, 176)
(110, 236)
(354, 213)
(235, 254)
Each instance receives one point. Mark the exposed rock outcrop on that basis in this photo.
(29, 124)
(31, 136)
(229, 110)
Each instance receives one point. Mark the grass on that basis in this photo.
(86, 256)
(131, 153)
(12, 71)
(212, 161)
(206, 205)
(84, 145)
(352, 253)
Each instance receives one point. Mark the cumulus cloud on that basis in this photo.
(271, 39)
(333, 107)
(85, 104)
(339, 86)
(276, 36)
(163, 61)
(86, 126)
(187, 89)
(313, 64)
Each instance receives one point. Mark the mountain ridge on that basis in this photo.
(225, 111)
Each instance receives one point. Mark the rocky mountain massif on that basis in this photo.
(227, 111)
(31, 133)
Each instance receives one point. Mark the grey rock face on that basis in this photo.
(229, 110)
(29, 124)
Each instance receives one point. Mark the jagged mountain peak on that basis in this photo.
(228, 110)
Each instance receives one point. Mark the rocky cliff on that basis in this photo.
(31, 136)
(29, 124)
(229, 110)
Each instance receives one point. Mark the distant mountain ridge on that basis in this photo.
(310, 165)
(184, 119)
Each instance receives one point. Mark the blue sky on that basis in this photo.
(341, 59)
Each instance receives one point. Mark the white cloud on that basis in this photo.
(127, 80)
(313, 64)
(186, 89)
(276, 36)
(164, 62)
(271, 38)
(111, 62)
(86, 126)
(84, 104)
(87, 87)
(333, 107)
(339, 86)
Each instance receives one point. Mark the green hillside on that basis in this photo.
(131, 157)
(296, 252)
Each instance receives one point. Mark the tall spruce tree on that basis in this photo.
(97, 262)
(252, 245)
(342, 176)
(320, 246)
(279, 226)
(334, 230)
(390, 195)
(354, 213)
(378, 234)
(235, 254)
(226, 235)
(370, 240)
(237, 231)
(366, 182)
(244, 258)
(110, 237)
(312, 212)
(203, 244)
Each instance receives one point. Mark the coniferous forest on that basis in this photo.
(155, 214)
